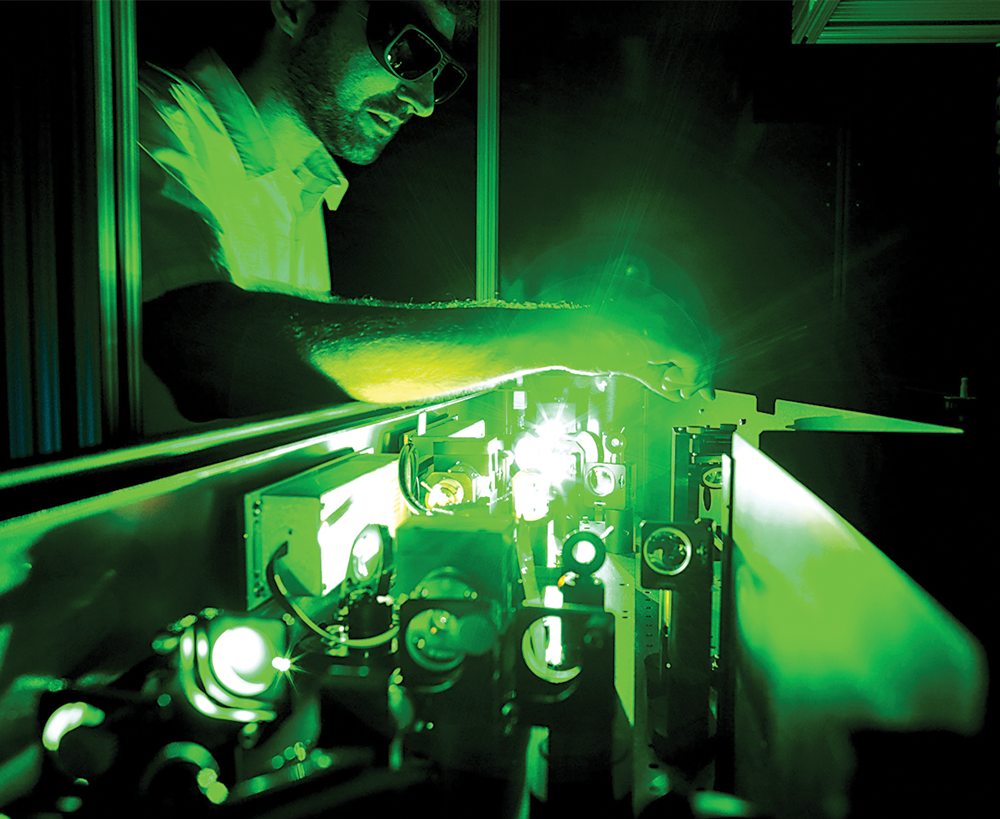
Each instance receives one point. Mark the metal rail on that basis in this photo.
(488, 153)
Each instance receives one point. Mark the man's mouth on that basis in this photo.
(384, 123)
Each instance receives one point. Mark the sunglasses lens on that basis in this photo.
(448, 82)
(412, 55)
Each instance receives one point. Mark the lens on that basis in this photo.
(432, 638)
(583, 552)
(242, 661)
(367, 553)
(668, 551)
(412, 55)
(601, 480)
(544, 652)
(448, 82)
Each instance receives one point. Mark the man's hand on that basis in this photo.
(645, 335)
(668, 371)
(679, 378)
(678, 351)
(633, 329)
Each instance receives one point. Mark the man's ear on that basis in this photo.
(292, 15)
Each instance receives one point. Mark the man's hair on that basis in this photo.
(466, 23)
(466, 19)
(466, 13)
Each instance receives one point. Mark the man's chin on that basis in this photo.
(358, 157)
(358, 154)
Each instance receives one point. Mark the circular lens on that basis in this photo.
(601, 480)
(712, 477)
(583, 552)
(446, 492)
(432, 638)
(367, 553)
(242, 661)
(667, 551)
(542, 649)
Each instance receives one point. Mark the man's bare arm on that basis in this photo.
(227, 352)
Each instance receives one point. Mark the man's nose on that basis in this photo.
(419, 95)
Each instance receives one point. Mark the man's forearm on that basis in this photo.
(225, 352)
(384, 353)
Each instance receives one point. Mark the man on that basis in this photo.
(238, 316)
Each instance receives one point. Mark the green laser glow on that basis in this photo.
(531, 494)
(243, 661)
(584, 552)
(67, 718)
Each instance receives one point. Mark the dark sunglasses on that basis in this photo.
(402, 45)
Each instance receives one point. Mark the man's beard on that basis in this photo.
(340, 130)
(314, 76)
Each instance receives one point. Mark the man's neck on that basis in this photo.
(293, 140)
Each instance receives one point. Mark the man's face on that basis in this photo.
(345, 96)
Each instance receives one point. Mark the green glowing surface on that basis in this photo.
(530, 490)
(65, 719)
(69, 804)
(717, 805)
(206, 777)
(741, 409)
(242, 659)
(835, 637)
(216, 793)
(832, 617)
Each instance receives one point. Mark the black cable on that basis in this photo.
(406, 483)
(404, 480)
(280, 593)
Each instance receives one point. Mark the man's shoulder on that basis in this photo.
(169, 90)
(176, 117)
(153, 76)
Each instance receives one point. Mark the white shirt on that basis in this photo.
(219, 204)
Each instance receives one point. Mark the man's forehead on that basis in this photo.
(437, 14)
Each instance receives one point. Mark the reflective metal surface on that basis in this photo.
(832, 638)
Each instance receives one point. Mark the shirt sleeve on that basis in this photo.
(181, 231)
